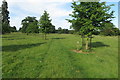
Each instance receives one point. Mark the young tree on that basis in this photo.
(45, 23)
(5, 18)
(89, 17)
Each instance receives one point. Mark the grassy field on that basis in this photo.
(30, 56)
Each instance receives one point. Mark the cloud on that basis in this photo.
(23, 8)
(59, 10)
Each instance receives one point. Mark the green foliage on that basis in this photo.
(71, 31)
(109, 30)
(29, 25)
(32, 28)
(65, 31)
(20, 29)
(89, 17)
(45, 24)
(52, 29)
(59, 30)
(62, 31)
(5, 18)
(13, 29)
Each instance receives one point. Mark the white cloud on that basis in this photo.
(19, 9)
(36, 8)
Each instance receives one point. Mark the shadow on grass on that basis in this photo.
(12, 38)
(58, 38)
(15, 39)
(9, 37)
(19, 47)
(99, 44)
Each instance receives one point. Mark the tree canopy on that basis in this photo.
(89, 17)
(45, 23)
(29, 25)
(5, 18)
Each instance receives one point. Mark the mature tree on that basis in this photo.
(5, 18)
(89, 17)
(29, 24)
(45, 23)
(32, 27)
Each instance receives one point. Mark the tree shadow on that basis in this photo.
(99, 44)
(19, 47)
(12, 38)
(8, 36)
(58, 38)
(16, 39)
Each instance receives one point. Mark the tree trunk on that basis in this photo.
(45, 33)
(90, 42)
(83, 42)
(87, 44)
(45, 36)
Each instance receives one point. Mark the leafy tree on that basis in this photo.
(45, 23)
(89, 17)
(29, 24)
(5, 18)
(32, 27)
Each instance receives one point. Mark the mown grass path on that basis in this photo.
(30, 56)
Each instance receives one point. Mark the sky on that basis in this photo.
(58, 10)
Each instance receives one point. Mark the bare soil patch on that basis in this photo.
(80, 51)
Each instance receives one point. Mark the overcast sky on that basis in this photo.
(59, 10)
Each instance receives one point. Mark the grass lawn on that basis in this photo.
(30, 56)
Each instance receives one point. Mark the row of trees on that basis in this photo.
(44, 25)
(32, 25)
